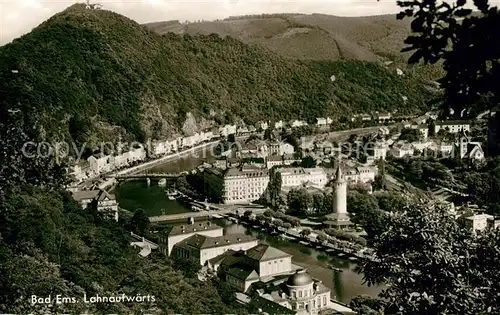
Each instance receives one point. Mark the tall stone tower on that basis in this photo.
(340, 194)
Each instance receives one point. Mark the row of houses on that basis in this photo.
(320, 122)
(464, 148)
(451, 126)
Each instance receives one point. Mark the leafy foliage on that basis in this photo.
(433, 266)
(468, 48)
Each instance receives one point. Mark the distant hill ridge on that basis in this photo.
(96, 75)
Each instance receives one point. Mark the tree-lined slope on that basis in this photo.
(94, 74)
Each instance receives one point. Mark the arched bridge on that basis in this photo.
(147, 175)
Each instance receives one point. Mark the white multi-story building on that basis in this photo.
(380, 151)
(360, 174)
(263, 125)
(201, 248)
(296, 176)
(106, 202)
(402, 150)
(297, 123)
(452, 126)
(245, 185)
(279, 124)
(180, 232)
(445, 148)
(281, 148)
(100, 164)
(227, 130)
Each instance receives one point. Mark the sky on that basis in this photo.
(18, 17)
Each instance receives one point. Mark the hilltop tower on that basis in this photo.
(340, 217)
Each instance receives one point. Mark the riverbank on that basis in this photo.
(109, 182)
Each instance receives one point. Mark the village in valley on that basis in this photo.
(300, 182)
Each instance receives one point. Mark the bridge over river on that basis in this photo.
(147, 175)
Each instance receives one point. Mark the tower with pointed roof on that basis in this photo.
(340, 217)
(340, 194)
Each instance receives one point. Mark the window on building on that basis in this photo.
(324, 300)
(300, 294)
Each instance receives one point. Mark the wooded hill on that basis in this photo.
(95, 75)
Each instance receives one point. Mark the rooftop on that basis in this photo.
(243, 274)
(263, 252)
(452, 122)
(85, 194)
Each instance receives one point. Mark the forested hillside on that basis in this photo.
(96, 75)
(50, 246)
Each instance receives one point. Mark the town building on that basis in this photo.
(178, 233)
(402, 149)
(360, 174)
(322, 121)
(243, 130)
(245, 184)
(227, 130)
(365, 117)
(200, 248)
(423, 129)
(137, 154)
(445, 148)
(297, 123)
(340, 217)
(380, 151)
(478, 222)
(274, 160)
(262, 125)
(452, 126)
(297, 176)
(280, 148)
(79, 171)
(299, 293)
(243, 268)
(494, 133)
(279, 125)
(100, 164)
(467, 149)
(383, 116)
(106, 202)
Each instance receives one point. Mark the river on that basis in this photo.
(345, 285)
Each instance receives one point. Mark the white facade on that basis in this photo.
(478, 222)
(242, 130)
(138, 154)
(264, 125)
(293, 177)
(452, 126)
(184, 231)
(298, 123)
(279, 124)
(402, 150)
(445, 148)
(227, 130)
(379, 152)
(100, 165)
(340, 195)
(244, 185)
(281, 148)
(321, 121)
